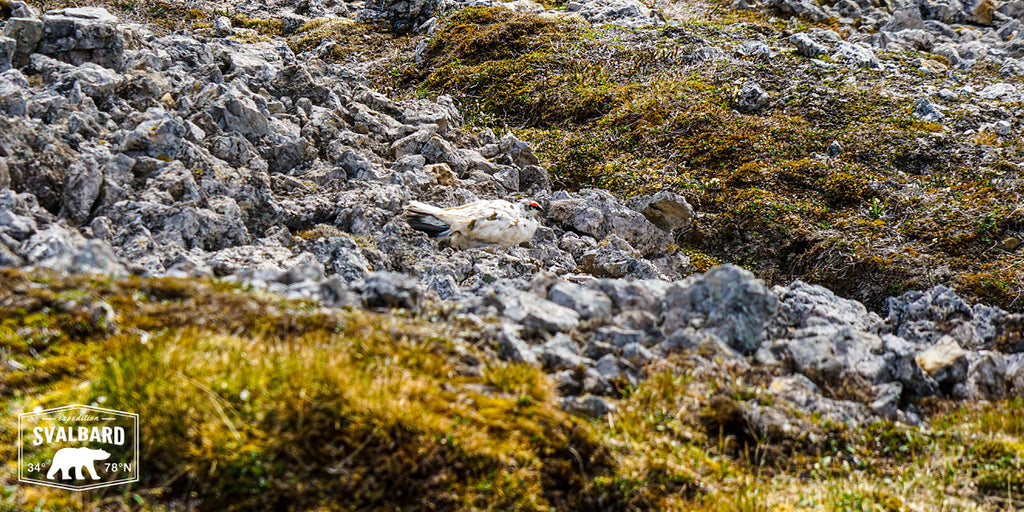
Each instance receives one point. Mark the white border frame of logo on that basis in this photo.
(21, 444)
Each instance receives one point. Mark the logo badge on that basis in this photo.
(78, 447)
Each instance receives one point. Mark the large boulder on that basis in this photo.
(727, 300)
(597, 213)
(83, 34)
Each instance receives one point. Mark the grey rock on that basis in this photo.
(586, 302)
(567, 383)
(413, 144)
(95, 81)
(476, 161)
(26, 32)
(422, 112)
(667, 210)
(249, 262)
(986, 376)
(806, 46)
(594, 383)
(284, 146)
(534, 180)
(83, 34)
(727, 300)
(598, 349)
(5, 175)
(60, 249)
(18, 227)
(171, 184)
(704, 343)
(235, 111)
(560, 353)
(512, 348)
(609, 368)
(339, 255)
(638, 355)
(800, 8)
(588, 406)
(998, 91)
(901, 357)
(9, 258)
(927, 111)
(886, 401)
(403, 15)
(13, 93)
(923, 317)
(640, 320)
(539, 315)
(946, 11)
(439, 151)
(949, 53)
(163, 137)
(755, 49)
(803, 395)
(833, 356)
(445, 286)
(626, 13)
(389, 290)
(508, 178)
(598, 214)
(336, 293)
(357, 166)
(1015, 374)
(519, 152)
(222, 26)
(366, 120)
(855, 55)
(751, 98)
(804, 305)
(1012, 67)
(21, 9)
(7, 49)
(630, 295)
(618, 336)
(85, 181)
(615, 258)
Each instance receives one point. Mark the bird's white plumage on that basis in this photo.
(480, 223)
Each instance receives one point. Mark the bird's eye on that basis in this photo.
(534, 206)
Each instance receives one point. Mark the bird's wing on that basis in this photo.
(418, 208)
(500, 228)
(424, 217)
(479, 209)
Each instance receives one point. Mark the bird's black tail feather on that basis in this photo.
(432, 226)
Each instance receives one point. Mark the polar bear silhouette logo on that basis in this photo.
(67, 459)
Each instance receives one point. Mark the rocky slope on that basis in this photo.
(258, 149)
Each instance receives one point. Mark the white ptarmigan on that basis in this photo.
(477, 224)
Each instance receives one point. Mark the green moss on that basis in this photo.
(249, 37)
(314, 32)
(271, 27)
